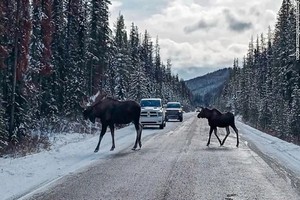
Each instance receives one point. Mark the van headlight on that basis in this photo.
(159, 113)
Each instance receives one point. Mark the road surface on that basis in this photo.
(174, 163)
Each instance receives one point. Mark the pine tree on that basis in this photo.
(146, 57)
(4, 135)
(280, 75)
(18, 104)
(98, 49)
(137, 75)
(268, 84)
(74, 58)
(58, 53)
(122, 61)
(46, 76)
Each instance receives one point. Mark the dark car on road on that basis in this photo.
(174, 111)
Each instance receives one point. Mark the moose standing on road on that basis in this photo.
(218, 119)
(110, 112)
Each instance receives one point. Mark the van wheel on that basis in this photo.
(161, 126)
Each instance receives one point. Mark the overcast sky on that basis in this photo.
(199, 36)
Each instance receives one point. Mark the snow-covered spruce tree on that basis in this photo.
(33, 89)
(98, 45)
(121, 66)
(284, 48)
(4, 135)
(4, 50)
(295, 112)
(268, 84)
(138, 83)
(247, 83)
(168, 91)
(229, 100)
(18, 120)
(7, 33)
(48, 107)
(75, 56)
(158, 70)
(58, 53)
(146, 57)
(262, 86)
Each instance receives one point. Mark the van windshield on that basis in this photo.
(150, 103)
(173, 105)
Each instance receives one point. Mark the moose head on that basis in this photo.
(88, 112)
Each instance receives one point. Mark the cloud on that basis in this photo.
(139, 9)
(235, 24)
(201, 25)
(200, 33)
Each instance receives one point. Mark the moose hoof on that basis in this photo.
(112, 149)
(96, 150)
(133, 149)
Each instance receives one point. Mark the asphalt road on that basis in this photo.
(174, 164)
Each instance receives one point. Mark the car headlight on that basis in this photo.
(159, 113)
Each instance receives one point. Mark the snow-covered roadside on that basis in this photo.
(69, 152)
(284, 153)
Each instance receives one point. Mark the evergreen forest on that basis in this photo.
(264, 87)
(54, 53)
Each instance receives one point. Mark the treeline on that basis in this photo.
(54, 52)
(265, 90)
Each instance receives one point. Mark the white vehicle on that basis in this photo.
(152, 112)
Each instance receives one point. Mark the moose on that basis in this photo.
(110, 112)
(218, 119)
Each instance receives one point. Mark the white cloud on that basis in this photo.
(115, 6)
(200, 33)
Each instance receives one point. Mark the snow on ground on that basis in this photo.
(70, 152)
(284, 153)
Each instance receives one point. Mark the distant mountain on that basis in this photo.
(207, 88)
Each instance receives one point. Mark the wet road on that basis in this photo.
(175, 163)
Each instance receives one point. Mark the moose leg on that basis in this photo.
(140, 134)
(210, 132)
(112, 131)
(103, 130)
(138, 128)
(215, 131)
(227, 133)
(237, 134)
